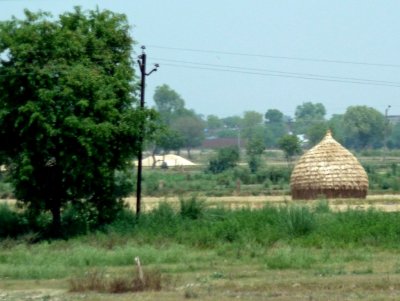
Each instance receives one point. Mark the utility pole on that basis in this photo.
(142, 64)
(386, 133)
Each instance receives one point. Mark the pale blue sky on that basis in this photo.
(341, 30)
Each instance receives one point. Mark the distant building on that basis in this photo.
(393, 119)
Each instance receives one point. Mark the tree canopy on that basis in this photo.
(168, 102)
(274, 127)
(191, 130)
(308, 114)
(290, 144)
(66, 108)
(364, 127)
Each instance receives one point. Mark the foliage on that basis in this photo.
(275, 127)
(167, 139)
(307, 114)
(254, 162)
(226, 158)
(191, 130)
(394, 138)
(66, 109)
(254, 148)
(336, 126)
(255, 145)
(296, 221)
(192, 208)
(251, 123)
(213, 122)
(279, 237)
(274, 116)
(228, 133)
(169, 103)
(232, 122)
(11, 223)
(180, 127)
(316, 132)
(364, 127)
(290, 144)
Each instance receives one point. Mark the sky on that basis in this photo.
(225, 57)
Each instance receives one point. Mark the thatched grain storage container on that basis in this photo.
(328, 170)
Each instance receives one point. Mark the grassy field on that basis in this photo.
(206, 252)
(246, 243)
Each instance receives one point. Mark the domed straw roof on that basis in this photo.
(328, 170)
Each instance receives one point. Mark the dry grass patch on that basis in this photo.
(98, 281)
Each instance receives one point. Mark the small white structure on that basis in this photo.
(169, 160)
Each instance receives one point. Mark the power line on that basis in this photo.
(397, 85)
(281, 72)
(277, 57)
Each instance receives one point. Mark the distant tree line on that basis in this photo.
(360, 127)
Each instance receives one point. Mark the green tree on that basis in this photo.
(254, 148)
(169, 103)
(232, 122)
(308, 114)
(251, 121)
(165, 140)
(316, 132)
(274, 127)
(191, 130)
(394, 138)
(66, 109)
(364, 127)
(178, 126)
(226, 158)
(214, 123)
(290, 144)
(273, 116)
(335, 124)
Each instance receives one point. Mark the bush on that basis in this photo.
(12, 224)
(226, 158)
(123, 180)
(255, 162)
(97, 281)
(296, 221)
(192, 208)
(79, 218)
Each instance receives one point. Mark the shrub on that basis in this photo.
(12, 224)
(288, 258)
(296, 221)
(123, 180)
(192, 208)
(322, 206)
(79, 218)
(255, 162)
(226, 158)
(97, 281)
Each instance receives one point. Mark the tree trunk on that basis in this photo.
(153, 155)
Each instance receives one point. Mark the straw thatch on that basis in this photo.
(328, 170)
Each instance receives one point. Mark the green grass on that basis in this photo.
(214, 254)
(285, 237)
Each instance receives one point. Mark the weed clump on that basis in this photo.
(192, 208)
(98, 281)
(297, 221)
